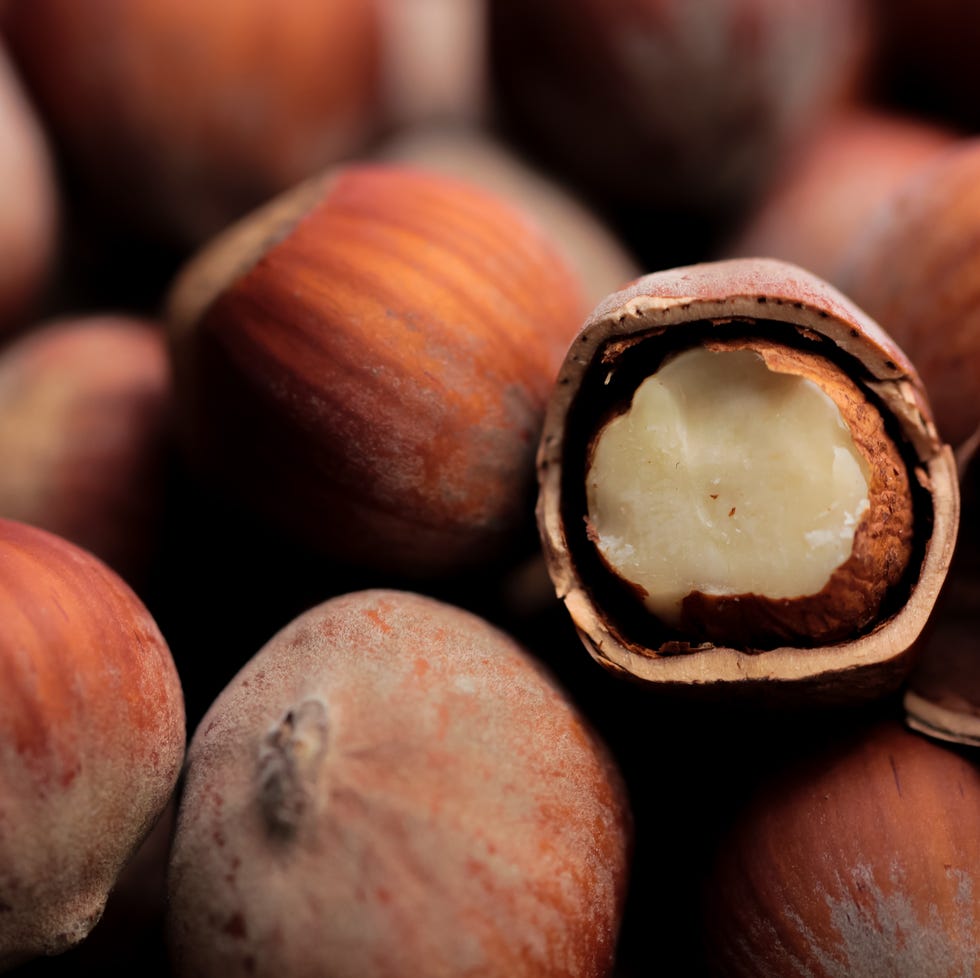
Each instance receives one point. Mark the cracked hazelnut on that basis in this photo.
(741, 482)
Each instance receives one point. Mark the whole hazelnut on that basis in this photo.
(669, 104)
(366, 361)
(914, 268)
(859, 860)
(741, 486)
(393, 787)
(185, 115)
(84, 418)
(92, 714)
(825, 195)
(29, 206)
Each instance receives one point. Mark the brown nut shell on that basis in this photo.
(861, 861)
(366, 362)
(915, 269)
(786, 305)
(92, 715)
(181, 116)
(393, 787)
(826, 193)
(84, 413)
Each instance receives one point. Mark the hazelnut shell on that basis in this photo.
(942, 697)
(914, 270)
(392, 786)
(750, 290)
(92, 712)
(366, 362)
(861, 859)
(84, 412)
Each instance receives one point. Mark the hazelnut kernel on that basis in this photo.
(745, 472)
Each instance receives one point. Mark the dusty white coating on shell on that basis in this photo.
(860, 863)
(881, 931)
(463, 820)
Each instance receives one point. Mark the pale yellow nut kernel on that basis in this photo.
(725, 477)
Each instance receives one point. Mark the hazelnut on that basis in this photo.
(914, 269)
(826, 192)
(84, 412)
(366, 361)
(859, 860)
(93, 740)
(185, 115)
(393, 787)
(670, 104)
(741, 484)
(29, 206)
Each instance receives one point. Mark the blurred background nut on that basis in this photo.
(181, 117)
(84, 434)
(826, 192)
(29, 202)
(184, 115)
(680, 111)
(915, 268)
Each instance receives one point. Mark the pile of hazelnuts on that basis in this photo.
(488, 488)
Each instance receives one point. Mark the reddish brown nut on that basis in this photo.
(84, 412)
(366, 362)
(741, 484)
(861, 861)
(684, 106)
(914, 271)
(393, 787)
(28, 201)
(93, 737)
(826, 193)
(186, 115)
